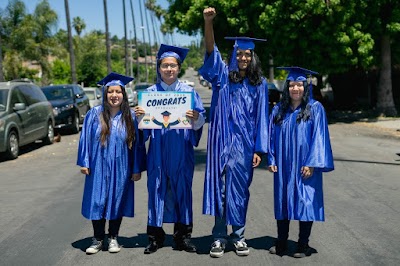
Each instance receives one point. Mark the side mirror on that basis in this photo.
(19, 106)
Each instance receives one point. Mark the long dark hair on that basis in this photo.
(284, 104)
(126, 118)
(253, 71)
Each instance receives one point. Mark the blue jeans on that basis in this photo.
(220, 231)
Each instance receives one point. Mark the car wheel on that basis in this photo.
(75, 125)
(12, 146)
(49, 139)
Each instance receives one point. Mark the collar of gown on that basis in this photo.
(167, 87)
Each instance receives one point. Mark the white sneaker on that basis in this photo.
(217, 249)
(113, 246)
(96, 246)
(241, 248)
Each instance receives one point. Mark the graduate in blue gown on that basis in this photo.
(112, 157)
(170, 164)
(299, 152)
(237, 136)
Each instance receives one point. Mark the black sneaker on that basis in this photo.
(279, 248)
(302, 251)
(186, 245)
(217, 249)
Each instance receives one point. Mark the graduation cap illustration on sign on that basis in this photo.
(243, 43)
(166, 113)
(114, 79)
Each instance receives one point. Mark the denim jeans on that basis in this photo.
(220, 231)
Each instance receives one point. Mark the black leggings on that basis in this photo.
(99, 228)
(304, 230)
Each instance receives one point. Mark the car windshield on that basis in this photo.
(3, 99)
(57, 93)
(141, 87)
(90, 95)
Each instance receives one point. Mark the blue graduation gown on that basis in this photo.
(109, 190)
(170, 168)
(293, 145)
(238, 128)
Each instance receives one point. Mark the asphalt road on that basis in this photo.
(41, 224)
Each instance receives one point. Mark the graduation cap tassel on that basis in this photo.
(233, 64)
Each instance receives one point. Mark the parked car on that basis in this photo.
(95, 96)
(190, 83)
(138, 88)
(131, 96)
(70, 105)
(274, 94)
(25, 116)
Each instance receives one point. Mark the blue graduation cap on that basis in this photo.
(172, 51)
(243, 43)
(166, 113)
(114, 79)
(297, 73)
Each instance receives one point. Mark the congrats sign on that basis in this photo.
(165, 109)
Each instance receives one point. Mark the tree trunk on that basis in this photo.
(136, 45)
(70, 44)
(144, 41)
(385, 103)
(126, 40)
(108, 45)
(1, 64)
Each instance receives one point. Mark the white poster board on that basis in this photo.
(165, 109)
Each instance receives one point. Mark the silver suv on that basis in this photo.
(25, 116)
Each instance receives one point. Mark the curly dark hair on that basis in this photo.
(126, 118)
(253, 72)
(284, 104)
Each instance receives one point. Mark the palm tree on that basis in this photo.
(1, 63)
(148, 33)
(70, 43)
(79, 25)
(108, 45)
(144, 41)
(126, 40)
(136, 44)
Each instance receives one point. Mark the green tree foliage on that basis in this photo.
(79, 25)
(333, 37)
(61, 72)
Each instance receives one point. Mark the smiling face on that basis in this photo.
(243, 58)
(296, 91)
(115, 96)
(169, 70)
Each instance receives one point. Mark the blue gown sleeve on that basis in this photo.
(139, 150)
(195, 135)
(85, 140)
(271, 137)
(261, 143)
(320, 152)
(214, 69)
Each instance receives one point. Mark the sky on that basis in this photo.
(92, 12)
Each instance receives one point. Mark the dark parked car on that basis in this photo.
(70, 105)
(25, 116)
(274, 95)
(138, 88)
